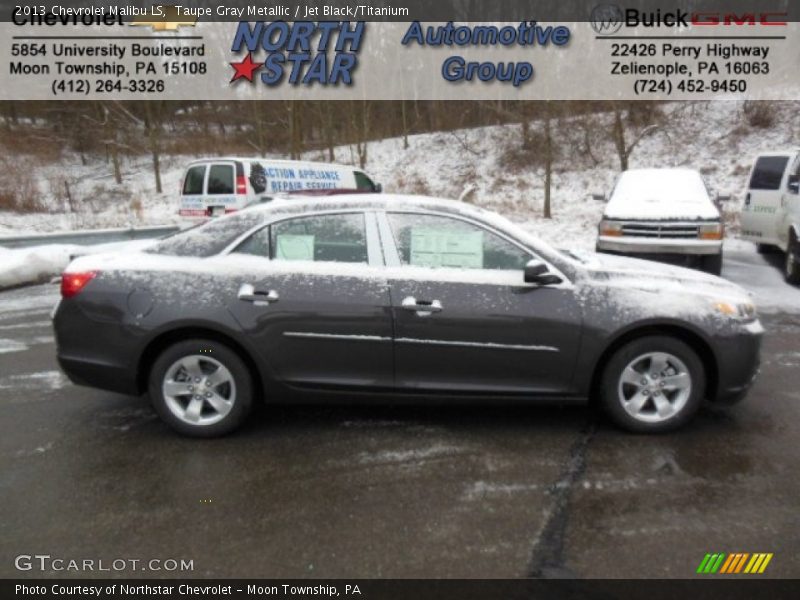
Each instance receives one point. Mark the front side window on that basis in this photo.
(434, 241)
(768, 173)
(193, 184)
(323, 238)
(220, 179)
(363, 182)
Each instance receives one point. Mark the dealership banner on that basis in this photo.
(239, 50)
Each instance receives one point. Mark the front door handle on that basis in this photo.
(247, 293)
(423, 308)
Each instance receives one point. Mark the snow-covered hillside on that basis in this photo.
(711, 137)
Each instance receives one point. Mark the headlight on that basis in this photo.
(745, 311)
(712, 231)
(610, 228)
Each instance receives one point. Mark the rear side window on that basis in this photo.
(768, 173)
(207, 239)
(330, 238)
(193, 184)
(363, 182)
(220, 179)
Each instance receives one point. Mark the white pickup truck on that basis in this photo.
(771, 212)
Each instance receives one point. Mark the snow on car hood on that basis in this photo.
(649, 276)
(660, 194)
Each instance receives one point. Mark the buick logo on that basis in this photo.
(606, 19)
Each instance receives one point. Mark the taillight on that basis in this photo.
(73, 283)
(241, 185)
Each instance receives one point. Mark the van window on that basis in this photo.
(220, 179)
(193, 184)
(363, 182)
(768, 172)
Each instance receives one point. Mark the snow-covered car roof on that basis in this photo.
(661, 194)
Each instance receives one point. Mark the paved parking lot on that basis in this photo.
(391, 492)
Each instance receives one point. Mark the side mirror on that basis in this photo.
(794, 184)
(377, 188)
(537, 272)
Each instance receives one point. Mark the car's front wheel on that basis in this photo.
(653, 384)
(201, 388)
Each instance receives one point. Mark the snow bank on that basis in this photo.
(41, 263)
(32, 265)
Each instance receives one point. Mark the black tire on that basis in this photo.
(611, 387)
(712, 263)
(791, 269)
(766, 248)
(236, 391)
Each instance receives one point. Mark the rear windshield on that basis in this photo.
(209, 238)
(768, 173)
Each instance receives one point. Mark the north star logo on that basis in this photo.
(164, 18)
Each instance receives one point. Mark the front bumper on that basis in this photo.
(641, 245)
(738, 360)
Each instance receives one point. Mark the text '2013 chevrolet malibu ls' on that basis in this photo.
(403, 297)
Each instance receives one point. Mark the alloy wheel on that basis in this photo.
(654, 387)
(199, 390)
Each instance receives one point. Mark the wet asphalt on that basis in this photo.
(349, 492)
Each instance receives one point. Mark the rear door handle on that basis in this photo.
(423, 308)
(247, 293)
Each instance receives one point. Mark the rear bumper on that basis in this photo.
(658, 246)
(105, 376)
(738, 360)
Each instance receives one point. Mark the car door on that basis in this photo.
(464, 319)
(192, 204)
(317, 303)
(761, 213)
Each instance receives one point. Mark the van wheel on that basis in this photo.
(766, 248)
(712, 264)
(201, 388)
(792, 266)
(653, 384)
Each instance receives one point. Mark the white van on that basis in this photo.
(215, 186)
(771, 212)
(666, 215)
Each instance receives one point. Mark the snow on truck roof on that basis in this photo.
(678, 193)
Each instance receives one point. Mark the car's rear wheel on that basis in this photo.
(766, 248)
(792, 265)
(712, 263)
(653, 384)
(201, 388)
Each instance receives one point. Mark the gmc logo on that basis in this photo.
(716, 18)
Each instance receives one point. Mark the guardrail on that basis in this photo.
(88, 237)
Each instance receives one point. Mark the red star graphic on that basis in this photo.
(245, 68)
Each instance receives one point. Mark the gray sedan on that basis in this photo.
(398, 297)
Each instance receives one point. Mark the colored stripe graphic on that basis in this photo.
(735, 563)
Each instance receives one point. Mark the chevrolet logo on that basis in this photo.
(168, 20)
